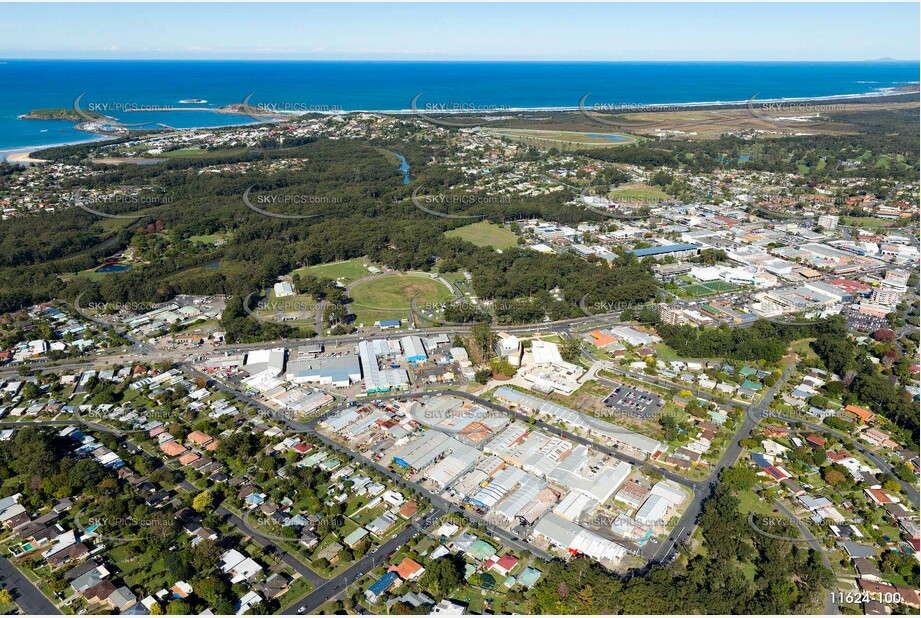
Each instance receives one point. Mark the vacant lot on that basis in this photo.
(803, 349)
(567, 138)
(202, 153)
(638, 193)
(485, 234)
(346, 271)
(207, 239)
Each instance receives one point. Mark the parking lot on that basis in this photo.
(633, 402)
(864, 323)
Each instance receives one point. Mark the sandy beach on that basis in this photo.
(23, 154)
(23, 157)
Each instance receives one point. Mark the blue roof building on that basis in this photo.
(414, 349)
(378, 588)
(337, 371)
(529, 577)
(665, 250)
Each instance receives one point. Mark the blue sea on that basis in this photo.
(112, 87)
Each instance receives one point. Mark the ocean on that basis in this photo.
(157, 87)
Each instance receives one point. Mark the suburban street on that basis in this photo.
(24, 592)
(333, 588)
(883, 465)
(663, 553)
(685, 527)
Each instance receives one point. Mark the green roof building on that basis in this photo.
(529, 577)
(481, 550)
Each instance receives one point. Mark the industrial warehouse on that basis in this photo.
(578, 421)
(523, 480)
(381, 363)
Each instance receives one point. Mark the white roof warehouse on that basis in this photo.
(567, 535)
(430, 446)
(579, 420)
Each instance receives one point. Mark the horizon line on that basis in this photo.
(480, 60)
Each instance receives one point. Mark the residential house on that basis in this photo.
(378, 589)
(240, 567)
(447, 606)
(867, 569)
(408, 569)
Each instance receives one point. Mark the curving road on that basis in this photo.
(831, 608)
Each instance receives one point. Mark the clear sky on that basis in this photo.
(677, 31)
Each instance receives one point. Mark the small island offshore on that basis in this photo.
(61, 113)
(95, 122)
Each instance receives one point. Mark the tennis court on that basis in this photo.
(709, 289)
(720, 286)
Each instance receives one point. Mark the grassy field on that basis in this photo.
(346, 271)
(706, 123)
(388, 297)
(801, 348)
(201, 153)
(869, 222)
(708, 289)
(456, 277)
(296, 310)
(485, 234)
(394, 291)
(665, 353)
(114, 226)
(90, 274)
(749, 569)
(565, 139)
(750, 502)
(639, 193)
(720, 286)
(207, 239)
(699, 290)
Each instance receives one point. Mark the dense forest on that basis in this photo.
(365, 211)
(763, 340)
